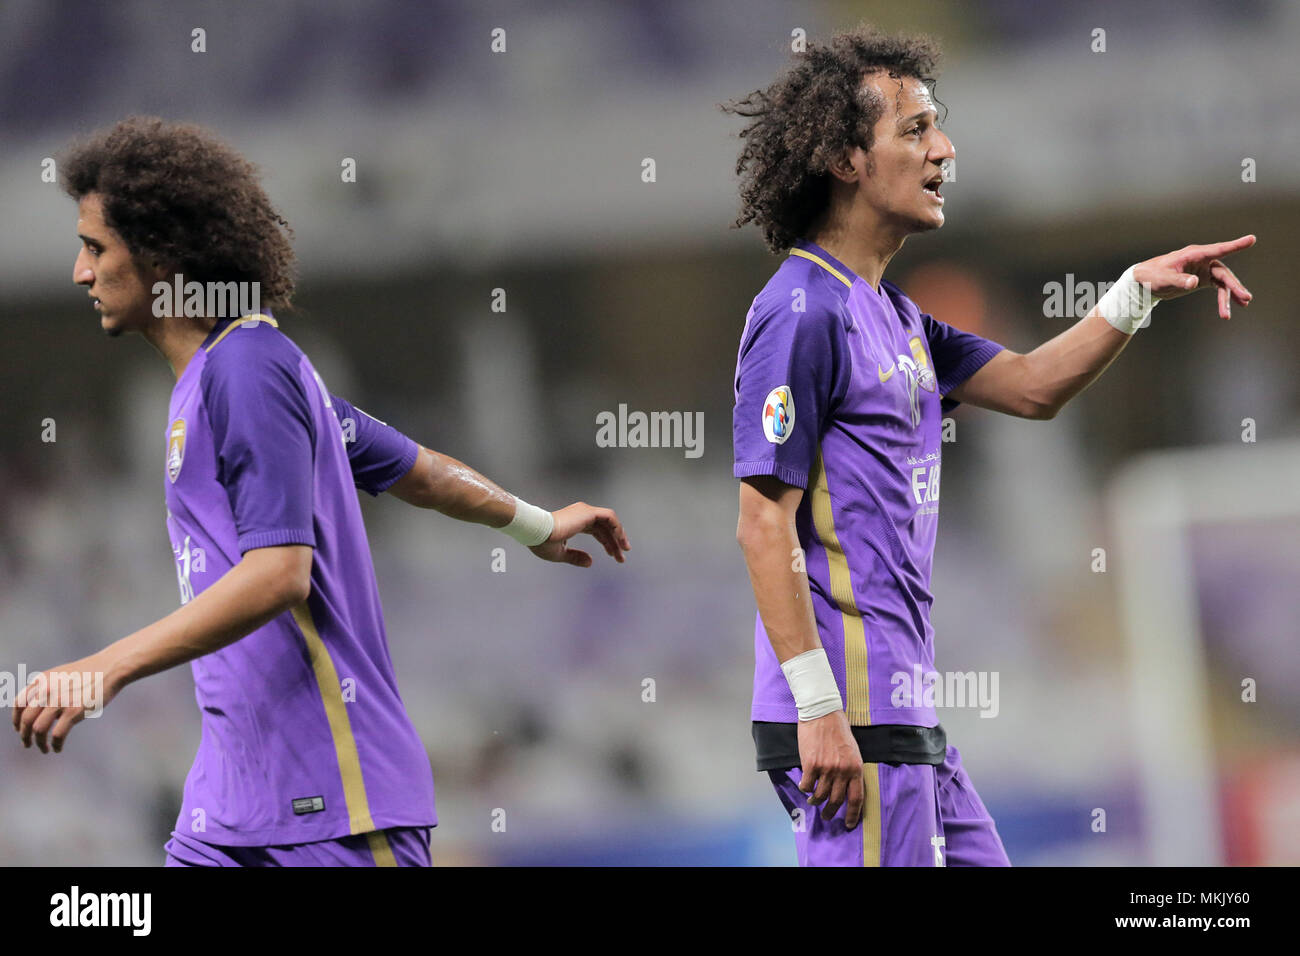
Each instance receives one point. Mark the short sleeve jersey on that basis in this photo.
(841, 389)
(304, 734)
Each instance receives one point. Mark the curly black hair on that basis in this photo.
(810, 116)
(178, 195)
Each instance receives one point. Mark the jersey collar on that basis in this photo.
(815, 253)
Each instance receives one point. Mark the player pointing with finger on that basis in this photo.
(840, 388)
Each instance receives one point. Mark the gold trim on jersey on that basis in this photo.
(824, 264)
(336, 712)
(237, 323)
(857, 689)
(380, 848)
(872, 808)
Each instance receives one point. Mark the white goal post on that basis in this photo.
(1153, 502)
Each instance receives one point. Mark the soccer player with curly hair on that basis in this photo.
(307, 755)
(841, 384)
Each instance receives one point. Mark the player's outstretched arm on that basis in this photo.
(828, 753)
(1038, 384)
(451, 487)
(262, 586)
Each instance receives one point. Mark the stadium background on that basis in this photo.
(522, 171)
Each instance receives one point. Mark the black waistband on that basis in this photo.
(777, 744)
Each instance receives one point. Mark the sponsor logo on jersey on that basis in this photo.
(778, 415)
(175, 449)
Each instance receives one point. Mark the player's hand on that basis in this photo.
(54, 700)
(1196, 267)
(832, 766)
(601, 523)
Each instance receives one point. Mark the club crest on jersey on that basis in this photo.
(778, 415)
(917, 375)
(175, 449)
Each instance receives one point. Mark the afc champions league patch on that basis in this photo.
(175, 449)
(778, 415)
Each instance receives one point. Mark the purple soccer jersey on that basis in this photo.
(840, 390)
(304, 734)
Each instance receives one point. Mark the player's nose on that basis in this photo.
(945, 149)
(82, 274)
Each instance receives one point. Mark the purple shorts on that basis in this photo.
(404, 846)
(913, 815)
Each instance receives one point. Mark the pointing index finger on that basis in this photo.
(1220, 249)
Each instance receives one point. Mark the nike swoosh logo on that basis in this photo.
(885, 376)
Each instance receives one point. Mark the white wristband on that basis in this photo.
(813, 685)
(1127, 303)
(531, 525)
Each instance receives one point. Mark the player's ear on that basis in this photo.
(842, 167)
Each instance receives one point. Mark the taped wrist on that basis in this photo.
(1127, 304)
(531, 525)
(812, 683)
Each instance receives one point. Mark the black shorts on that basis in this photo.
(777, 744)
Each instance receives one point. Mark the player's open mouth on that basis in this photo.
(932, 187)
(97, 304)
